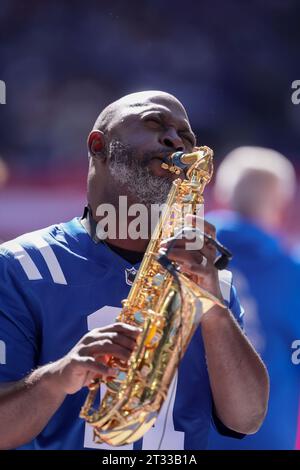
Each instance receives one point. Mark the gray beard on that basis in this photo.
(133, 174)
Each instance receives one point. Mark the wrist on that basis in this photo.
(47, 378)
(216, 291)
(209, 281)
(215, 317)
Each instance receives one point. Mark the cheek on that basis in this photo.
(146, 140)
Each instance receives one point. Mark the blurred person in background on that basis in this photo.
(296, 252)
(255, 187)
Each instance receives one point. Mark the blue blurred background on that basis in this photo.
(231, 63)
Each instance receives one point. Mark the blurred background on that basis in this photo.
(231, 63)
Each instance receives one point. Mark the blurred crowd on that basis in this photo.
(232, 65)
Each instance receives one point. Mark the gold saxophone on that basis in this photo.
(167, 306)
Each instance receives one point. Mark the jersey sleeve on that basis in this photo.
(235, 307)
(230, 296)
(18, 327)
(232, 301)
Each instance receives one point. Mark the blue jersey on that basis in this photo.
(268, 282)
(56, 284)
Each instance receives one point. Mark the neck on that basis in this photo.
(266, 221)
(139, 245)
(120, 229)
(109, 208)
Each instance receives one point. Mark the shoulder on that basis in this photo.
(34, 256)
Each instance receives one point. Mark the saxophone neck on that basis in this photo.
(201, 169)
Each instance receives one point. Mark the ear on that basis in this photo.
(96, 144)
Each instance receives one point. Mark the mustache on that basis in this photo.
(130, 168)
(161, 154)
(123, 153)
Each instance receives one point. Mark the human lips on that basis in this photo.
(162, 170)
(157, 168)
(159, 159)
(163, 157)
(157, 162)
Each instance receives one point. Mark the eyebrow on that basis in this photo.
(162, 116)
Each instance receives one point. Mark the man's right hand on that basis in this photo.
(87, 358)
(46, 387)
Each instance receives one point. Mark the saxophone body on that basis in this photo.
(168, 310)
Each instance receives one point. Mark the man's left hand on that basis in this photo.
(198, 264)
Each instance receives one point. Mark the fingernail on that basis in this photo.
(165, 241)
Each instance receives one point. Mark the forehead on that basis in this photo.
(170, 109)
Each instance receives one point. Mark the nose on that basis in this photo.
(171, 139)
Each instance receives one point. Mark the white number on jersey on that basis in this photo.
(172, 440)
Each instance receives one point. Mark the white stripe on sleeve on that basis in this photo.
(50, 259)
(225, 279)
(24, 259)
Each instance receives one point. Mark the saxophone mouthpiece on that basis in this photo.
(179, 161)
(184, 160)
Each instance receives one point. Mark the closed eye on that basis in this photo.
(189, 137)
(153, 121)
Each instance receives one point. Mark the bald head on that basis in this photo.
(257, 182)
(134, 101)
(129, 139)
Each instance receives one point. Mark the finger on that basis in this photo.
(185, 244)
(121, 340)
(100, 348)
(189, 235)
(197, 221)
(180, 255)
(209, 251)
(188, 242)
(92, 365)
(209, 228)
(124, 329)
(113, 337)
(90, 377)
(201, 266)
(186, 257)
(125, 341)
(198, 270)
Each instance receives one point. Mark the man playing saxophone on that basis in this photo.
(62, 281)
